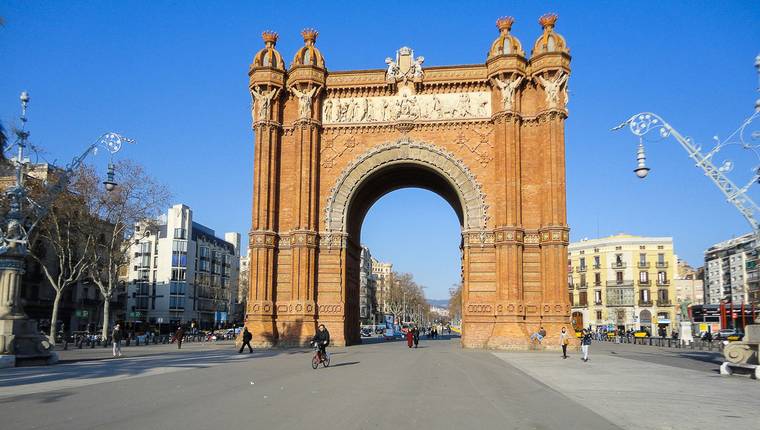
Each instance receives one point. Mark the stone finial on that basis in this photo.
(309, 35)
(505, 23)
(548, 20)
(269, 37)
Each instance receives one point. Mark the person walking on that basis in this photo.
(409, 338)
(416, 336)
(585, 342)
(179, 335)
(116, 336)
(247, 336)
(564, 340)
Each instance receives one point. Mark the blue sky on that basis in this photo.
(173, 75)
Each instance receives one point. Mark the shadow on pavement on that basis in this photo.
(348, 363)
(125, 366)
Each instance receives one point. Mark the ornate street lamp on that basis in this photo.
(644, 123)
(19, 338)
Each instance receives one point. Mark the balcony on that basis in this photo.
(582, 286)
(664, 303)
(599, 303)
(597, 283)
(645, 282)
(647, 303)
(663, 282)
(618, 265)
(582, 269)
(624, 283)
(597, 266)
(662, 264)
(643, 265)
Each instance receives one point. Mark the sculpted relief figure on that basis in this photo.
(328, 111)
(551, 88)
(264, 100)
(304, 101)
(417, 72)
(508, 91)
(407, 106)
(393, 71)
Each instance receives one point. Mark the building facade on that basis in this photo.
(383, 277)
(689, 287)
(367, 289)
(731, 271)
(180, 272)
(623, 282)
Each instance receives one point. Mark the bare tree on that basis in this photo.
(137, 197)
(62, 231)
(405, 297)
(455, 302)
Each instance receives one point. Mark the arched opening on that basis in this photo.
(376, 186)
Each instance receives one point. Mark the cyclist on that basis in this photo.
(322, 339)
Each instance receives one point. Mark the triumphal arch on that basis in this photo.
(488, 138)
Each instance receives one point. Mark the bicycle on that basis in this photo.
(315, 360)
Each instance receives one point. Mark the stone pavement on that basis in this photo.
(73, 354)
(642, 387)
(372, 386)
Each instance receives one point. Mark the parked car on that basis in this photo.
(728, 334)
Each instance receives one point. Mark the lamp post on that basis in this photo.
(19, 338)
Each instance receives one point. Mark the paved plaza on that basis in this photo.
(377, 386)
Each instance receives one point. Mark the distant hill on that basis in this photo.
(442, 303)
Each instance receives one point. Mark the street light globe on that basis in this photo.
(110, 182)
(641, 172)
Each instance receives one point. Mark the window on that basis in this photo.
(571, 299)
(618, 259)
(598, 315)
(583, 263)
(570, 281)
(642, 258)
(643, 277)
(583, 298)
(179, 274)
(662, 277)
(145, 247)
(180, 233)
(662, 295)
(645, 296)
(204, 252)
(660, 258)
(619, 277)
(583, 280)
(176, 302)
(179, 253)
(598, 297)
(155, 261)
(177, 288)
(597, 279)
(596, 262)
